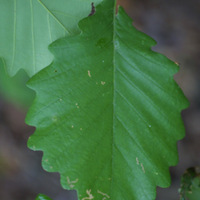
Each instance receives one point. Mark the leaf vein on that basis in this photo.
(62, 25)
(33, 38)
(14, 34)
(142, 73)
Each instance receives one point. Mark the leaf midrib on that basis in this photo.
(14, 34)
(113, 121)
(32, 33)
(59, 22)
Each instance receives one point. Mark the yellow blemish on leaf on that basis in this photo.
(72, 126)
(81, 129)
(137, 161)
(142, 167)
(90, 196)
(104, 194)
(89, 74)
(71, 183)
(103, 83)
(77, 105)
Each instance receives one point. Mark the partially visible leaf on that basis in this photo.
(42, 197)
(27, 27)
(107, 110)
(69, 13)
(190, 184)
(14, 89)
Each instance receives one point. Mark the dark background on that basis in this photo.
(175, 25)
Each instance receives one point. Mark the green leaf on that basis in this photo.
(107, 110)
(190, 184)
(29, 26)
(42, 197)
(14, 89)
(69, 13)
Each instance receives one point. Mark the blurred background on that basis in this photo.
(175, 25)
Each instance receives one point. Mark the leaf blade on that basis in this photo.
(105, 105)
(42, 197)
(13, 89)
(28, 28)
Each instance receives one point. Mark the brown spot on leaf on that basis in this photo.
(93, 10)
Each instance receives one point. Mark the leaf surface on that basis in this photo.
(27, 27)
(42, 197)
(190, 184)
(14, 89)
(107, 110)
